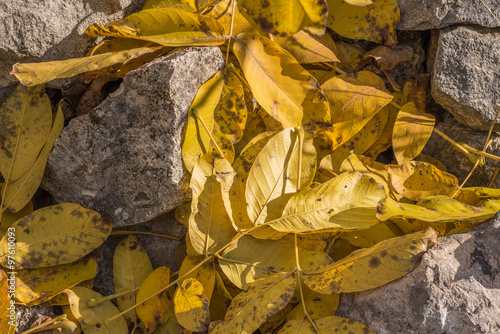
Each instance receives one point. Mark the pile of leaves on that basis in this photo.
(290, 206)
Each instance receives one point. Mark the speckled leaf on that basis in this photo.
(170, 327)
(191, 306)
(5, 303)
(31, 74)
(9, 218)
(347, 202)
(131, 266)
(327, 325)
(416, 180)
(438, 209)
(165, 26)
(412, 130)
(25, 123)
(250, 259)
(35, 286)
(308, 48)
(93, 319)
(274, 172)
(158, 309)
(370, 237)
(204, 274)
(317, 305)
(282, 87)
(196, 139)
(375, 22)
(209, 224)
(18, 193)
(286, 17)
(252, 308)
(57, 234)
(382, 263)
(354, 100)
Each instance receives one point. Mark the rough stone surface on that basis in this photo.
(455, 289)
(47, 30)
(465, 67)
(160, 250)
(28, 315)
(434, 14)
(123, 159)
(456, 162)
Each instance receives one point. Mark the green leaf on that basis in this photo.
(55, 235)
(347, 202)
(382, 263)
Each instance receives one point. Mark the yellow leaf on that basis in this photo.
(280, 85)
(179, 4)
(431, 160)
(30, 74)
(354, 100)
(412, 130)
(158, 309)
(383, 263)
(485, 193)
(9, 218)
(93, 319)
(25, 123)
(253, 307)
(35, 286)
(53, 235)
(196, 139)
(350, 56)
(210, 226)
(308, 48)
(286, 17)
(166, 26)
(438, 209)
(8, 308)
(325, 325)
(375, 22)
(182, 213)
(242, 22)
(275, 321)
(317, 305)
(275, 173)
(370, 237)
(251, 259)
(170, 327)
(347, 202)
(205, 274)
(191, 306)
(131, 266)
(416, 180)
(16, 194)
(360, 3)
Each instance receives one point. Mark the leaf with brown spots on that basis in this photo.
(93, 319)
(275, 173)
(8, 308)
(326, 325)
(280, 85)
(416, 180)
(131, 266)
(375, 22)
(165, 26)
(54, 235)
(9, 218)
(438, 209)
(372, 236)
(354, 100)
(251, 259)
(286, 17)
(412, 130)
(382, 263)
(308, 48)
(317, 305)
(205, 274)
(191, 306)
(170, 327)
(35, 286)
(209, 224)
(253, 307)
(17, 194)
(347, 202)
(158, 309)
(197, 140)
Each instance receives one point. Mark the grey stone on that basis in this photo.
(455, 289)
(27, 315)
(34, 31)
(123, 159)
(456, 162)
(434, 14)
(160, 250)
(465, 67)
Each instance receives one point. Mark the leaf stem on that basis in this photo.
(93, 302)
(464, 150)
(42, 326)
(125, 232)
(233, 14)
(196, 114)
